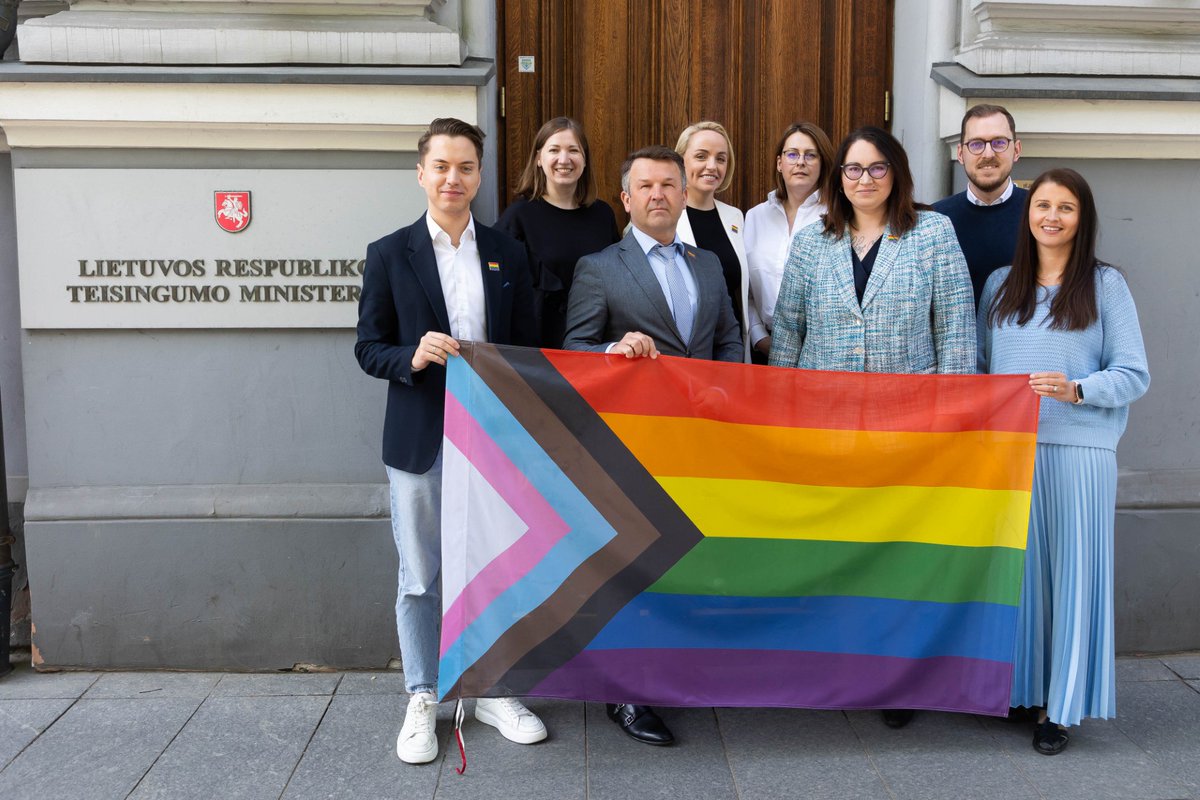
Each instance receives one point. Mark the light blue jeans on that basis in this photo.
(417, 528)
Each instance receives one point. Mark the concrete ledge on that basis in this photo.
(198, 502)
(965, 83)
(124, 37)
(250, 594)
(1158, 489)
(473, 72)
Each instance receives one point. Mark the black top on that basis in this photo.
(863, 267)
(986, 234)
(555, 239)
(710, 235)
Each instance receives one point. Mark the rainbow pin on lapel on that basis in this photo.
(494, 266)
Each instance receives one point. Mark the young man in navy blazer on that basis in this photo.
(425, 287)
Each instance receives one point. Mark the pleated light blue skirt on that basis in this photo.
(1065, 655)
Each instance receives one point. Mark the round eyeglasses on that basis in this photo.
(877, 170)
(795, 157)
(976, 146)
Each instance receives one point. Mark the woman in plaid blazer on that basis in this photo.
(879, 286)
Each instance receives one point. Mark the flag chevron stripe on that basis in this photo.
(589, 531)
(883, 627)
(685, 447)
(588, 453)
(797, 398)
(781, 678)
(945, 515)
(546, 528)
(898, 570)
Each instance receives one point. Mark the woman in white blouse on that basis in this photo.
(803, 152)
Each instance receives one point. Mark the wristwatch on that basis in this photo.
(1078, 393)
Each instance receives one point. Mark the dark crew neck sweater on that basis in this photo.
(986, 234)
(555, 239)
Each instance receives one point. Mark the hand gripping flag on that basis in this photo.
(692, 533)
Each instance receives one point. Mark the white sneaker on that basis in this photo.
(417, 742)
(514, 721)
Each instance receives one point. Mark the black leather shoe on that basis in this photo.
(897, 717)
(1049, 739)
(641, 723)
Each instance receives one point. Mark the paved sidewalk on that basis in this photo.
(181, 735)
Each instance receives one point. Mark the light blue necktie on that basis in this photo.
(680, 304)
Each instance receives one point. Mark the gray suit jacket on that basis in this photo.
(615, 292)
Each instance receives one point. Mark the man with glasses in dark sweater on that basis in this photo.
(987, 214)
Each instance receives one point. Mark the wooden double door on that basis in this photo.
(636, 72)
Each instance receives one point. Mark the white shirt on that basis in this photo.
(768, 239)
(647, 244)
(1007, 193)
(462, 281)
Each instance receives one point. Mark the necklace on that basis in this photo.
(862, 242)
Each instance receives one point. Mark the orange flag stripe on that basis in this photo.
(701, 448)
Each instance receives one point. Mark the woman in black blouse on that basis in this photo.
(558, 218)
(708, 223)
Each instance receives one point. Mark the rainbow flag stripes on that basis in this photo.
(683, 532)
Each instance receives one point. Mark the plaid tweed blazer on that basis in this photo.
(916, 316)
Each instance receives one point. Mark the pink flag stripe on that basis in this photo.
(546, 527)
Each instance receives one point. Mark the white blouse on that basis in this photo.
(768, 240)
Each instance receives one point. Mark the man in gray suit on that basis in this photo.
(650, 293)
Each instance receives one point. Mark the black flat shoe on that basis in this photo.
(1049, 739)
(1022, 714)
(641, 723)
(898, 717)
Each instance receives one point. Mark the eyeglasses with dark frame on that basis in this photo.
(976, 146)
(794, 156)
(877, 170)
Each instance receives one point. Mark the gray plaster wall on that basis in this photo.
(207, 499)
(11, 389)
(163, 408)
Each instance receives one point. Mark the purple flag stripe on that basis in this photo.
(788, 678)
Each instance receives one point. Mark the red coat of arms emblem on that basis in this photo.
(232, 210)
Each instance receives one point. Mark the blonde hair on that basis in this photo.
(708, 125)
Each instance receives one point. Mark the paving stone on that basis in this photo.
(353, 753)
(790, 753)
(939, 755)
(22, 721)
(694, 768)
(1185, 666)
(1164, 720)
(235, 748)
(23, 683)
(98, 749)
(140, 685)
(277, 684)
(1143, 669)
(383, 682)
(555, 769)
(1088, 769)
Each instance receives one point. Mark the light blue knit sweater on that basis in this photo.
(1107, 358)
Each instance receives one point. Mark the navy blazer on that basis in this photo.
(401, 301)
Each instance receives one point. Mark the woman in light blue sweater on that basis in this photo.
(1068, 321)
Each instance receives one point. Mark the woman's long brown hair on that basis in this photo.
(1074, 306)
